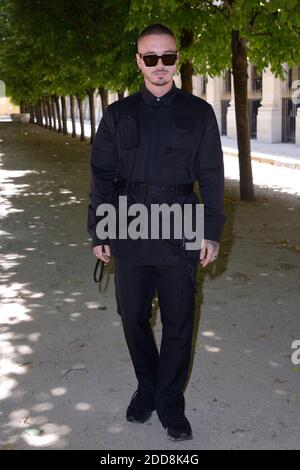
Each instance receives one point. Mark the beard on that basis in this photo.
(162, 79)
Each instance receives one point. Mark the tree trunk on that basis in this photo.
(186, 74)
(90, 93)
(82, 135)
(22, 107)
(64, 114)
(26, 108)
(53, 113)
(40, 113)
(186, 69)
(104, 98)
(31, 107)
(59, 128)
(73, 116)
(47, 101)
(240, 76)
(45, 113)
(37, 114)
(120, 95)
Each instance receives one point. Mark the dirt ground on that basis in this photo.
(66, 374)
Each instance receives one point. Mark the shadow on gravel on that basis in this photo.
(57, 342)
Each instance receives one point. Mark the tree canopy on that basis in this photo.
(67, 46)
(72, 47)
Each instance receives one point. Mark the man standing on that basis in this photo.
(151, 146)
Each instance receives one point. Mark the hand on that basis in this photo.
(102, 252)
(209, 252)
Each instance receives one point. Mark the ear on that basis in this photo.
(138, 60)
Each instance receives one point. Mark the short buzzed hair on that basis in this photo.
(156, 28)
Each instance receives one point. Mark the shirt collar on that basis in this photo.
(153, 101)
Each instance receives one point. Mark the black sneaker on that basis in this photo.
(140, 408)
(178, 426)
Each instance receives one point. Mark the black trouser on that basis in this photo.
(160, 375)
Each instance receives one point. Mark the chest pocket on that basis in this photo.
(183, 124)
(128, 132)
(181, 134)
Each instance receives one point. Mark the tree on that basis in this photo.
(64, 48)
(72, 47)
(217, 35)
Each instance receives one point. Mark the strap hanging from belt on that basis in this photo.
(101, 264)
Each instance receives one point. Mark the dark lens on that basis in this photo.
(150, 60)
(169, 59)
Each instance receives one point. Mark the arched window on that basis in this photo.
(227, 81)
(256, 80)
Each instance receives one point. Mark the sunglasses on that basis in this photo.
(152, 59)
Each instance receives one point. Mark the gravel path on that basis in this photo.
(66, 375)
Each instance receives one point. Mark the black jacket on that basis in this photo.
(171, 139)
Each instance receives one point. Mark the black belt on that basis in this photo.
(177, 189)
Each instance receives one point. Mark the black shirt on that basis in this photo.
(164, 140)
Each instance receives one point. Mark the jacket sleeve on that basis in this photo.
(103, 166)
(210, 175)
